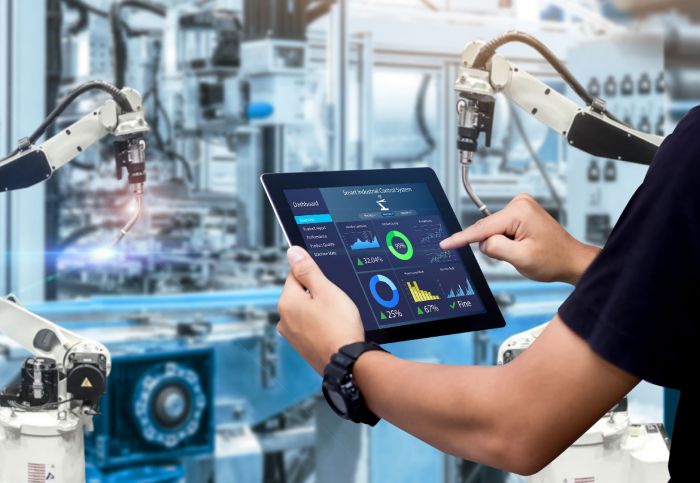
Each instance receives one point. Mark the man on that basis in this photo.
(631, 317)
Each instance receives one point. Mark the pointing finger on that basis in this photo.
(500, 223)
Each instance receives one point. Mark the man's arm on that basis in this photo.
(518, 417)
(526, 236)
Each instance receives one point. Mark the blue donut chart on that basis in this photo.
(377, 279)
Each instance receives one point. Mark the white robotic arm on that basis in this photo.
(81, 365)
(65, 365)
(590, 128)
(42, 416)
(122, 117)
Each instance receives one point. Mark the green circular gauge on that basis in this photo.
(409, 248)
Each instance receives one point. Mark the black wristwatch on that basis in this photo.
(339, 388)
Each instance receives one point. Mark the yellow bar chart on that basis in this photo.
(418, 294)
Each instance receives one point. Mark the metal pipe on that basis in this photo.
(465, 161)
(134, 218)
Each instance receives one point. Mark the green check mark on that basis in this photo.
(452, 305)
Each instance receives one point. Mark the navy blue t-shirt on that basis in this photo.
(637, 304)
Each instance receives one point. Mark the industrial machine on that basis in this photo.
(122, 116)
(157, 408)
(613, 449)
(592, 129)
(43, 415)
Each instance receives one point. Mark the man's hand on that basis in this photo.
(526, 236)
(317, 318)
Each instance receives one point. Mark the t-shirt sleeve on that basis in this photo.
(635, 304)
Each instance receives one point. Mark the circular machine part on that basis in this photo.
(168, 404)
(86, 382)
(172, 405)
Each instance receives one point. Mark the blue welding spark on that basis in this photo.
(96, 255)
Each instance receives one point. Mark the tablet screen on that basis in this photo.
(380, 244)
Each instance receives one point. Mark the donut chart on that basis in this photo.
(381, 279)
(406, 242)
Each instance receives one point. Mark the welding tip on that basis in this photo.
(134, 218)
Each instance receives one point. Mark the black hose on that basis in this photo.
(172, 154)
(489, 50)
(101, 85)
(118, 45)
(84, 9)
(54, 57)
(420, 114)
(161, 145)
(153, 7)
(80, 24)
(119, 52)
(81, 5)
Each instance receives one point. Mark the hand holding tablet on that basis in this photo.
(376, 235)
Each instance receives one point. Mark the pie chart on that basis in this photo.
(379, 280)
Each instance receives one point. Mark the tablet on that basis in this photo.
(376, 235)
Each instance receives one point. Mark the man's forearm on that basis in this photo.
(581, 261)
(454, 408)
(517, 417)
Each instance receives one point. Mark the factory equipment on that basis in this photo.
(592, 129)
(42, 417)
(613, 449)
(122, 116)
(274, 66)
(158, 407)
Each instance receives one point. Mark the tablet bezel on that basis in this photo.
(276, 183)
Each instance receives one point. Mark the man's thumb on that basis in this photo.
(305, 269)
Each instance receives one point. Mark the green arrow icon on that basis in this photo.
(359, 262)
(420, 311)
(382, 316)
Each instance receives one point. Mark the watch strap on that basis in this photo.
(340, 370)
(356, 349)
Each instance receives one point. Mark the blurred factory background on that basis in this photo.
(203, 389)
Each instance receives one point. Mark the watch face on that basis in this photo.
(335, 400)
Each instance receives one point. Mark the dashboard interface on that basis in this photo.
(380, 244)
